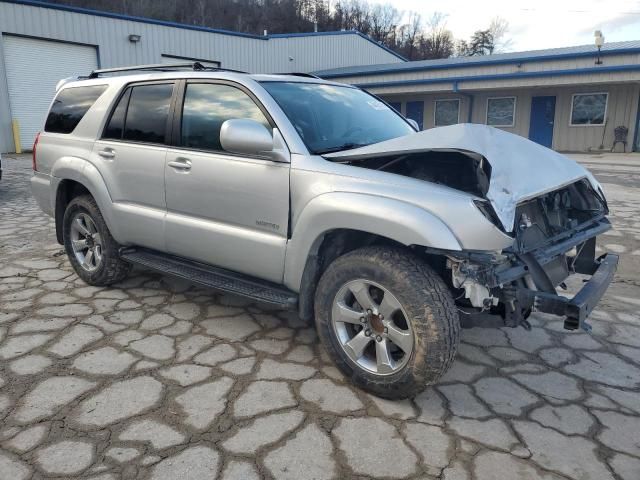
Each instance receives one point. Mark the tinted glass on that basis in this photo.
(207, 107)
(588, 109)
(331, 118)
(446, 112)
(116, 123)
(500, 111)
(146, 119)
(70, 106)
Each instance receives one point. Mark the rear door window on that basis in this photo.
(141, 114)
(116, 123)
(70, 106)
(146, 119)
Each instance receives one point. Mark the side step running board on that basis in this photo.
(213, 277)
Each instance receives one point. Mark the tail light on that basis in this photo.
(33, 158)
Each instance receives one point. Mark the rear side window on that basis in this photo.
(70, 106)
(141, 114)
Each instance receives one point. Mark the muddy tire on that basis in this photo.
(388, 321)
(91, 249)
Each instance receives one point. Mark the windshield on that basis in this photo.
(331, 118)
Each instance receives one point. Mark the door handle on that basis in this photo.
(183, 164)
(107, 153)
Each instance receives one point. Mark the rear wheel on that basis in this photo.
(91, 249)
(388, 321)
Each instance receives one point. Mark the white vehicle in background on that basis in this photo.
(318, 196)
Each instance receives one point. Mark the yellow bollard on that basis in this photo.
(16, 135)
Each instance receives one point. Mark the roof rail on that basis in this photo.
(300, 74)
(161, 67)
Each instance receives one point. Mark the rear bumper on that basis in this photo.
(41, 188)
(576, 309)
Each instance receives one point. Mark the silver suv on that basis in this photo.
(320, 197)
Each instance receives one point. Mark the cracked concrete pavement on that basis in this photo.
(155, 378)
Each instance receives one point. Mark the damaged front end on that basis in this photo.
(555, 237)
(548, 209)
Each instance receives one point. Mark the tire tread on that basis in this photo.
(437, 332)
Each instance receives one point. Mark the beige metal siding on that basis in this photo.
(429, 105)
(622, 109)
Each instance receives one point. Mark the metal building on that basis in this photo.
(570, 99)
(41, 43)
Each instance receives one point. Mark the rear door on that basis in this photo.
(131, 155)
(224, 209)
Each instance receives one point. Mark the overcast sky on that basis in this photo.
(539, 23)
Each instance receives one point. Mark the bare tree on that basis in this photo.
(499, 28)
(384, 20)
(408, 36)
(436, 41)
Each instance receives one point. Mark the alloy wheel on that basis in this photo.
(372, 327)
(86, 242)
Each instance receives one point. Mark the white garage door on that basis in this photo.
(33, 68)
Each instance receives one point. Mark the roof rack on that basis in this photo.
(299, 74)
(162, 67)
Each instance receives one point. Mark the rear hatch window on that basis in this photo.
(70, 106)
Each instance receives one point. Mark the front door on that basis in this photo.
(543, 112)
(225, 210)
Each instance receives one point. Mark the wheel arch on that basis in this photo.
(76, 176)
(338, 223)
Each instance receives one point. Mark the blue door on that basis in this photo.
(415, 111)
(543, 113)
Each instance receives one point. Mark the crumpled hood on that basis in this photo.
(520, 169)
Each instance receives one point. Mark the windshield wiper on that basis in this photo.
(339, 148)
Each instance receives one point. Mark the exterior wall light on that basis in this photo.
(599, 40)
(133, 38)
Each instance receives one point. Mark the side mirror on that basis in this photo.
(414, 124)
(245, 136)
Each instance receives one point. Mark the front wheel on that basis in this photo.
(388, 320)
(91, 249)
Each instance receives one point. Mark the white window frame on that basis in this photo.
(435, 108)
(604, 118)
(515, 108)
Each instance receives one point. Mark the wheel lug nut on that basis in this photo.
(378, 338)
(367, 332)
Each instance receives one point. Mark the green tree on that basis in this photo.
(481, 43)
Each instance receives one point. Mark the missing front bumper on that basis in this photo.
(576, 309)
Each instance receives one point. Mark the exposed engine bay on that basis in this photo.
(459, 170)
(555, 237)
(557, 214)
